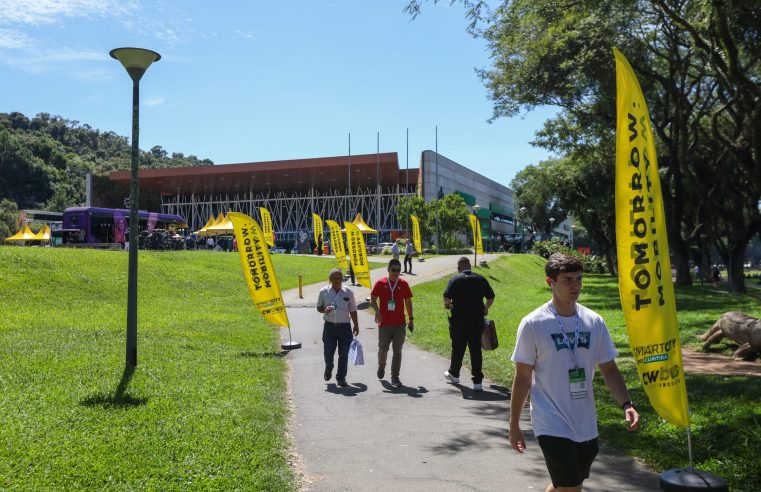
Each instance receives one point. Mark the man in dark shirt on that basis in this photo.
(465, 296)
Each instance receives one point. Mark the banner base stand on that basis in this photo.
(690, 479)
(290, 345)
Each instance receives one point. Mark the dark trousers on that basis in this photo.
(337, 335)
(466, 333)
(407, 261)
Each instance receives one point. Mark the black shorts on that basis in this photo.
(568, 461)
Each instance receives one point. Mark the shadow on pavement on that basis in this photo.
(352, 390)
(407, 390)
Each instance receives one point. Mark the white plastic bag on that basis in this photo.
(356, 355)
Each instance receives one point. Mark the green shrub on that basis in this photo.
(592, 263)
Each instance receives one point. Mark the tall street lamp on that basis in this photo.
(136, 61)
(552, 226)
(521, 213)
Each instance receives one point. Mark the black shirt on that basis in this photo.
(467, 291)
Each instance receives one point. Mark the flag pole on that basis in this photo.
(407, 181)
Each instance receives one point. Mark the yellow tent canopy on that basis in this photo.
(220, 218)
(225, 226)
(24, 234)
(363, 228)
(43, 235)
(209, 223)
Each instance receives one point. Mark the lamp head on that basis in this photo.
(135, 60)
(476, 207)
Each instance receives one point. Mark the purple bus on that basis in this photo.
(95, 227)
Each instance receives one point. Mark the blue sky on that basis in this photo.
(246, 81)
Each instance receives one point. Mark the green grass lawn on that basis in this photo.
(206, 407)
(725, 411)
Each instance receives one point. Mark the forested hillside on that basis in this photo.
(44, 162)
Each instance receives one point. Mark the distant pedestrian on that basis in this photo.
(339, 308)
(557, 350)
(351, 273)
(319, 244)
(409, 252)
(395, 297)
(715, 277)
(464, 296)
(395, 250)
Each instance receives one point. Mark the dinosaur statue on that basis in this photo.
(738, 327)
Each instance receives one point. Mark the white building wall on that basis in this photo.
(439, 172)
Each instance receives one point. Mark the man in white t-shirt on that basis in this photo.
(558, 348)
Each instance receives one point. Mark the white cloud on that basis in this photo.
(154, 101)
(247, 34)
(38, 12)
(68, 60)
(11, 39)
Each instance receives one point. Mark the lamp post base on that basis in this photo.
(290, 345)
(690, 479)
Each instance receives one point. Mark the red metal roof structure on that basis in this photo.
(297, 175)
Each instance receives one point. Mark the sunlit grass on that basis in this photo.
(725, 411)
(206, 406)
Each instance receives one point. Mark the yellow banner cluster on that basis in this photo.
(358, 254)
(337, 243)
(644, 268)
(258, 270)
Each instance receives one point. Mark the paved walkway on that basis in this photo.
(429, 435)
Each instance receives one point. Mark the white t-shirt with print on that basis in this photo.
(540, 343)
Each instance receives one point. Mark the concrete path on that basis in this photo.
(429, 435)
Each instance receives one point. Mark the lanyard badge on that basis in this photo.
(392, 301)
(577, 379)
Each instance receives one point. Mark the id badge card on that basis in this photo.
(578, 383)
(392, 305)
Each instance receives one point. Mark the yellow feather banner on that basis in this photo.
(317, 228)
(358, 254)
(337, 243)
(478, 244)
(258, 270)
(269, 234)
(644, 268)
(416, 234)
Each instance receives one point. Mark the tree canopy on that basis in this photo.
(44, 162)
(699, 65)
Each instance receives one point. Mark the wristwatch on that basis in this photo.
(627, 403)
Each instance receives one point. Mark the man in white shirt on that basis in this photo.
(339, 307)
(557, 350)
(395, 250)
(409, 251)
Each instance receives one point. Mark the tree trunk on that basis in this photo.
(735, 266)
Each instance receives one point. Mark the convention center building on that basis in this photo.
(335, 188)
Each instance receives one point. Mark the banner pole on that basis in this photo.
(291, 345)
(689, 444)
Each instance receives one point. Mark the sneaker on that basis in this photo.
(395, 382)
(477, 387)
(381, 372)
(342, 382)
(454, 379)
(328, 373)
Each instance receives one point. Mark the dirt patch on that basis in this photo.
(718, 365)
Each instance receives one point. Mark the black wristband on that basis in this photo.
(627, 403)
(410, 318)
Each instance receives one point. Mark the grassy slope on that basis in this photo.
(206, 406)
(726, 417)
